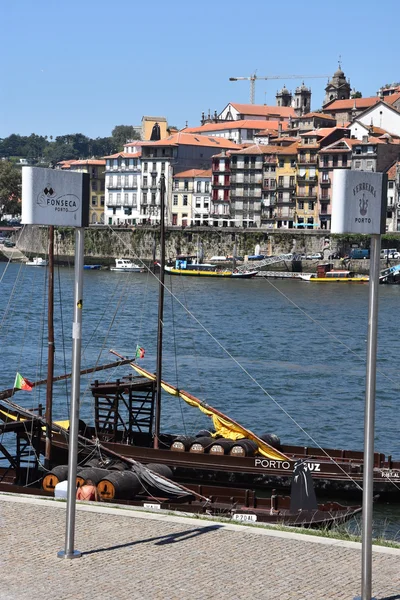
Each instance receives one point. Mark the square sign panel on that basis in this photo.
(52, 197)
(358, 202)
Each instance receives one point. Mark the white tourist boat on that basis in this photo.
(37, 261)
(125, 265)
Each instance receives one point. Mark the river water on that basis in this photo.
(282, 356)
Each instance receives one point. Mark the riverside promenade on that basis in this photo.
(128, 554)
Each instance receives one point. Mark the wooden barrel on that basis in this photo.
(56, 475)
(119, 485)
(271, 439)
(243, 447)
(163, 470)
(201, 444)
(94, 473)
(221, 446)
(182, 443)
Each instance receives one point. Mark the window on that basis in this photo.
(369, 165)
(110, 198)
(311, 205)
(145, 166)
(126, 199)
(176, 184)
(185, 185)
(198, 203)
(102, 185)
(281, 162)
(145, 182)
(293, 162)
(207, 187)
(357, 164)
(344, 160)
(185, 200)
(325, 161)
(154, 167)
(94, 185)
(198, 188)
(101, 200)
(134, 201)
(390, 184)
(94, 200)
(206, 205)
(153, 198)
(118, 198)
(153, 180)
(325, 176)
(280, 195)
(335, 161)
(291, 182)
(300, 205)
(162, 167)
(119, 181)
(280, 181)
(175, 200)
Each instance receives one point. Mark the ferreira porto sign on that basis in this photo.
(53, 197)
(358, 202)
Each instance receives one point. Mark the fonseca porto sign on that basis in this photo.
(52, 197)
(358, 202)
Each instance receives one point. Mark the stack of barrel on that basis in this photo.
(117, 482)
(204, 442)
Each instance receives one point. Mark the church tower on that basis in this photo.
(302, 100)
(284, 97)
(338, 87)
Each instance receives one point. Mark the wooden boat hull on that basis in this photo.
(210, 273)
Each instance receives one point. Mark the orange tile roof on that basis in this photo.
(392, 170)
(65, 164)
(268, 149)
(194, 173)
(88, 161)
(316, 115)
(349, 104)
(240, 124)
(350, 142)
(322, 132)
(263, 110)
(188, 139)
(392, 98)
(124, 155)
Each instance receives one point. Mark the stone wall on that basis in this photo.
(105, 243)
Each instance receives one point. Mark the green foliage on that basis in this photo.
(122, 133)
(10, 189)
(356, 95)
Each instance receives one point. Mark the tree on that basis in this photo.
(122, 133)
(355, 94)
(10, 189)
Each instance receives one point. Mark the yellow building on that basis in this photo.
(96, 170)
(285, 212)
(154, 123)
(307, 182)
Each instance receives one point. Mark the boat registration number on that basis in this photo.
(388, 474)
(154, 506)
(244, 517)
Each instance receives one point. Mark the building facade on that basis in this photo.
(123, 185)
(95, 168)
(191, 198)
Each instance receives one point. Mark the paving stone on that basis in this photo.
(127, 555)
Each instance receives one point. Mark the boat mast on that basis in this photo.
(50, 349)
(157, 411)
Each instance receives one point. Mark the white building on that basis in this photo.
(380, 115)
(123, 185)
(191, 197)
(240, 132)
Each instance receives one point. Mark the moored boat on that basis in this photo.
(325, 274)
(188, 266)
(391, 275)
(125, 265)
(37, 261)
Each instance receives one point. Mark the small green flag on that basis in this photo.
(139, 352)
(22, 384)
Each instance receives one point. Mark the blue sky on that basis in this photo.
(86, 66)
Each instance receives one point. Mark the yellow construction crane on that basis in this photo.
(253, 78)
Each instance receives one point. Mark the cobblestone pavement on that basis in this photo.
(127, 554)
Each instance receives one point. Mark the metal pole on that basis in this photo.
(50, 350)
(369, 420)
(157, 412)
(69, 551)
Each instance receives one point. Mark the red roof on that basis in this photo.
(263, 110)
(391, 172)
(88, 161)
(392, 98)
(240, 124)
(312, 115)
(268, 149)
(194, 173)
(124, 155)
(188, 139)
(359, 103)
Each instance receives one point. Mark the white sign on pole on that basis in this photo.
(53, 197)
(358, 202)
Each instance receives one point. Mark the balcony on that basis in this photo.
(325, 182)
(114, 186)
(307, 196)
(303, 160)
(307, 178)
(324, 199)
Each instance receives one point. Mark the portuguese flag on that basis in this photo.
(22, 384)
(139, 352)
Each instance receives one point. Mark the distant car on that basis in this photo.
(9, 244)
(316, 256)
